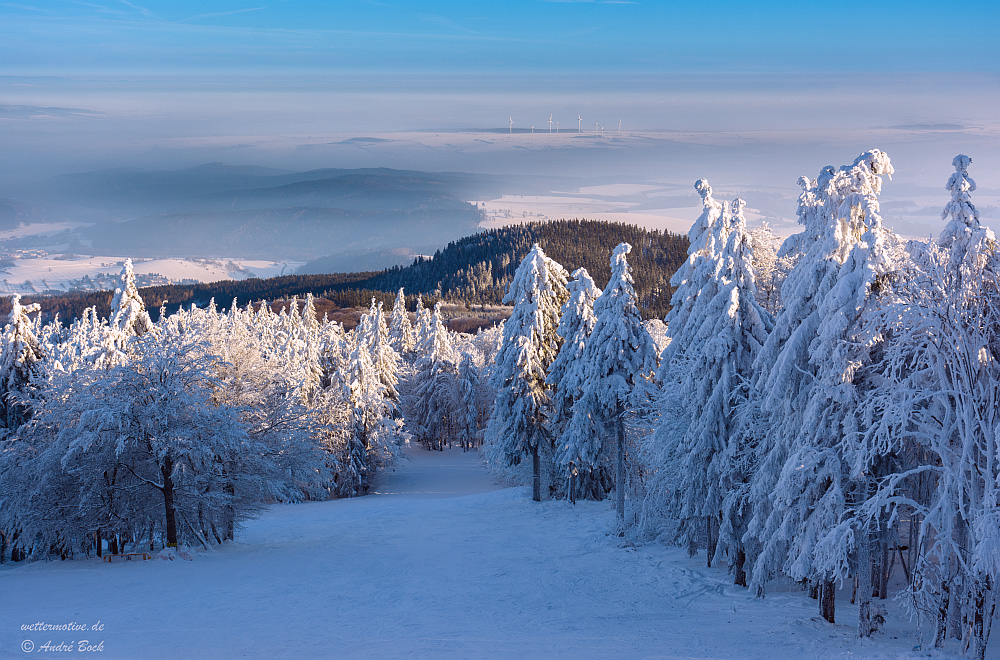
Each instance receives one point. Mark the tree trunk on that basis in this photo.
(536, 482)
(959, 587)
(168, 502)
(710, 540)
(620, 471)
(866, 620)
(99, 542)
(980, 627)
(741, 574)
(885, 565)
(942, 615)
(572, 483)
(828, 600)
(230, 511)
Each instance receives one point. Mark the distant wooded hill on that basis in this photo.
(350, 210)
(475, 270)
(360, 217)
(479, 268)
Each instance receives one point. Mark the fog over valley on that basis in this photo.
(283, 182)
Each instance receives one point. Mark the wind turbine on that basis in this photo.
(597, 126)
(532, 131)
(619, 127)
(579, 124)
(557, 128)
(550, 124)
(510, 129)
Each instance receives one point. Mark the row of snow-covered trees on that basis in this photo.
(837, 426)
(122, 432)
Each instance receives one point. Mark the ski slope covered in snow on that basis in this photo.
(438, 563)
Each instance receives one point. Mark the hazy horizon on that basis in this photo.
(749, 97)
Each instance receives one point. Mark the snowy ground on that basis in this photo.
(662, 207)
(517, 209)
(61, 272)
(39, 229)
(439, 563)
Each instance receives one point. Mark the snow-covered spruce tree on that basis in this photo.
(423, 321)
(617, 355)
(966, 241)
(309, 320)
(375, 434)
(764, 454)
(810, 394)
(334, 351)
(364, 332)
(128, 311)
(431, 408)
(936, 409)
(467, 402)
(706, 240)
(696, 283)
(21, 365)
(698, 477)
(566, 373)
(519, 424)
(400, 328)
(385, 359)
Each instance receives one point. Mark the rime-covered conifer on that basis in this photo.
(566, 374)
(431, 408)
(128, 311)
(810, 392)
(519, 424)
(21, 364)
(693, 453)
(618, 354)
(400, 328)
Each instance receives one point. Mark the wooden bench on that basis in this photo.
(129, 556)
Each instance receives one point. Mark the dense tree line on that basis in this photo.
(474, 270)
(480, 268)
(72, 305)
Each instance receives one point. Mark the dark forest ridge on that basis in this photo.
(475, 270)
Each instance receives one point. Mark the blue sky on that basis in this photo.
(102, 83)
(59, 37)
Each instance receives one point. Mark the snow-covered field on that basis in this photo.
(36, 274)
(629, 203)
(438, 563)
(516, 209)
(39, 229)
